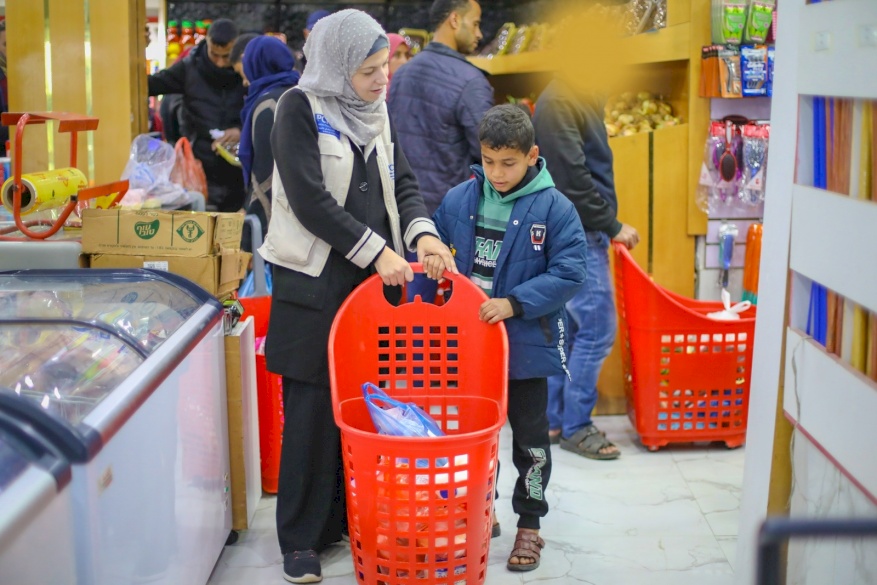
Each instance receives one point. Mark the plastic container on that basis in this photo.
(686, 376)
(270, 395)
(419, 508)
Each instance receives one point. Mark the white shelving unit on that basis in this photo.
(812, 235)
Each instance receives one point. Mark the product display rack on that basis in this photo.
(814, 235)
(656, 185)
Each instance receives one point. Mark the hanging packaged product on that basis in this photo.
(727, 238)
(754, 70)
(755, 146)
(729, 20)
(722, 169)
(770, 57)
(759, 20)
(729, 72)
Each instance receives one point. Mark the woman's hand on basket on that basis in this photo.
(393, 269)
(435, 257)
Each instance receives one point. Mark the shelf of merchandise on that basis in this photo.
(801, 391)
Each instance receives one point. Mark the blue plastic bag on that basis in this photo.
(248, 286)
(398, 419)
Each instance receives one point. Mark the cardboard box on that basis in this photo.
(243, 424)
(160, 233)
(218, 274)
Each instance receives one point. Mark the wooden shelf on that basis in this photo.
(535, 62)
(667, 44)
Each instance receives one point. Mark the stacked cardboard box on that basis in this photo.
(203, 247)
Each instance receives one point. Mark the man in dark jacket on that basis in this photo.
(572, 138)
(213, 95)
(438, 99)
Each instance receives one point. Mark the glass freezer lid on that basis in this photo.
(143, 307)
(66, 369)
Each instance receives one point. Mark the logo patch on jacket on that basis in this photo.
(324, 127)
(537, 235)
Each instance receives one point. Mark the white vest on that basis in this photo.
(288, 243)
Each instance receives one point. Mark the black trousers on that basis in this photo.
(225, 184)
(311, 509)
(531, 449)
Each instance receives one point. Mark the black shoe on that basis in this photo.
(302, 566)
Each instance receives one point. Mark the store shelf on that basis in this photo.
(535, 62)
(833, 239)
(837, 44)
(834, 405)
(667, 44)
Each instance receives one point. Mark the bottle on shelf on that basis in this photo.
(187, 38)
(174, 48)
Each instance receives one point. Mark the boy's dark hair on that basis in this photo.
(237, 51)
(222, 32)
(507, 126)
(441, 10)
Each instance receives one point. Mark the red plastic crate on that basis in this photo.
(686, 376)
(270, 396)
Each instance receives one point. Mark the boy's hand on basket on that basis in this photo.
(435, 257)
(496, 310)
(393, 269)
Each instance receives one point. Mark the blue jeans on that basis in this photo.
(592, 318)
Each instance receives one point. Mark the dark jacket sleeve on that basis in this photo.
(413, 217)
(297, 156)
(168, 81)
(559, 133)
(263, 159)
(565, 273)
(476, 99)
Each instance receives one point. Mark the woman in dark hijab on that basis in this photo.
(268, 67)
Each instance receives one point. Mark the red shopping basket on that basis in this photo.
(419, 509)
(686, 376)
(270, 392)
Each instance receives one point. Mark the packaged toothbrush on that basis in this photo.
(759, 20)
(729, 21)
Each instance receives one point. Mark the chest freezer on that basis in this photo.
(35, 508)
(123, 370)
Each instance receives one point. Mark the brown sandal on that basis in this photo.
(528, 545)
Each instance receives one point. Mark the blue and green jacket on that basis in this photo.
(541, 265)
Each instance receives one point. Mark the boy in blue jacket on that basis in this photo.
(519, 239)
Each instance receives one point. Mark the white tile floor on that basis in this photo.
(664, 518)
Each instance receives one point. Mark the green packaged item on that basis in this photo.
(729, 21)
(759, 20)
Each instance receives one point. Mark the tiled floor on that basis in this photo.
(664, 518)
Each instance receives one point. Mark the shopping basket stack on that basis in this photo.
(419, 508)
(686, 376)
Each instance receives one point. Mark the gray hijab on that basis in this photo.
(335, 49)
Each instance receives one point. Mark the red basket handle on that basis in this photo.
(464, 290)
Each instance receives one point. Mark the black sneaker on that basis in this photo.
(302, 566)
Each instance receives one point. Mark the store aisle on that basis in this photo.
(665, 518)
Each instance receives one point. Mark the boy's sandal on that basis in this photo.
(495, 531)
(588, 442)
(528, 545)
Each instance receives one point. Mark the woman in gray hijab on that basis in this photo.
(346, 205)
